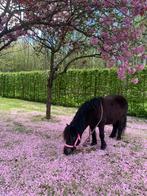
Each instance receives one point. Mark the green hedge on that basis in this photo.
(76, 86)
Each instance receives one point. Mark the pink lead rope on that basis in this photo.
(75, 144)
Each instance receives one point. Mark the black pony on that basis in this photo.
(97, 112)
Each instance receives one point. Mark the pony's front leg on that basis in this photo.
(93, 133)
(94, 139)
(102, 136)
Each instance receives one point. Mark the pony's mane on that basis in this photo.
(86, 107)
(79, 123)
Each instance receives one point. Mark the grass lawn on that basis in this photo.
(7, 104)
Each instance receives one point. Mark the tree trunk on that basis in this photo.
(49, 99)
(49, 87)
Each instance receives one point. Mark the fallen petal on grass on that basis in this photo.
(32, 161)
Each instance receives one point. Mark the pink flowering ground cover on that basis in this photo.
(32, 161)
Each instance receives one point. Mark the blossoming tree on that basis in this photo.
(18, 16)
(114, 28)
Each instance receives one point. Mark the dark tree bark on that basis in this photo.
(49, 99)
(49, 86)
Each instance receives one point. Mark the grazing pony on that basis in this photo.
(96, 112)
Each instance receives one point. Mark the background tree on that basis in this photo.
(17, 16)
(108, 26)
(62, 46)
(21, 56)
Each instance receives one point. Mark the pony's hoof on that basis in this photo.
(93, 143)
(103, 147)
(112, 136)
(118, 138)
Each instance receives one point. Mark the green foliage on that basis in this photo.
(22, 57)
(76, 86)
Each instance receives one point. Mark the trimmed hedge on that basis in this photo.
(76, 86)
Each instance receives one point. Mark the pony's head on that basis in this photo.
(72, 139)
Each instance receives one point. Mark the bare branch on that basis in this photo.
(75, 59)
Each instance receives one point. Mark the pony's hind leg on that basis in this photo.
(120, 130)
(114, 130)
(121, 127)
(102, 136)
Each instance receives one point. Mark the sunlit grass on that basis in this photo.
(7, 104)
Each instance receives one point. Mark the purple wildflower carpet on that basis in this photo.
(32, 161)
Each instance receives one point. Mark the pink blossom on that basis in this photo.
(127, 22)
(110, 64)
(131, 70)
(107, 47)
(105, 56)
(144, 57)
(121, 73)
(124, 10)
(135, 80)
(139, 50)
(127, 53)
(108, 24)
(94, 41)
(139, 67)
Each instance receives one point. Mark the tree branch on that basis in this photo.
(75, 59)
(6, 44)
